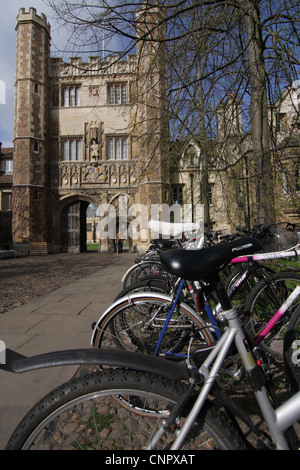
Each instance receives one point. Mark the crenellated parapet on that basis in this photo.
(94, 66)
(32, 16)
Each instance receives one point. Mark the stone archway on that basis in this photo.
(69, 224)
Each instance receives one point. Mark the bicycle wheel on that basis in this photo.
(163, 284)
(144, 269)
(291, 348)
(263, 302)
(148, 284)
(87, 413)
(136, 323)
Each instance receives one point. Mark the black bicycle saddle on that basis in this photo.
(163, 244)
(196, 264)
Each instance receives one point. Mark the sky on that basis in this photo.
(8, 13)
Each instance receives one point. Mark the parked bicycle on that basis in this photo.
(159, 404)
(162, 324)
(154, 322)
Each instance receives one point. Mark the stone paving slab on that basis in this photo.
(58, 320)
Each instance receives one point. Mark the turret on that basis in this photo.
(31, 125)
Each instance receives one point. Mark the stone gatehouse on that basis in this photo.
(85, 133)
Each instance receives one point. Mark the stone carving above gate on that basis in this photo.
(95, 174)
(104, 174)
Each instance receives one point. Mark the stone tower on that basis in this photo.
(152, 105)
(31, 124)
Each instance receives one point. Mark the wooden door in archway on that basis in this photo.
(74, 227)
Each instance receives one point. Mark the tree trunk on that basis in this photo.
(203, 164)
(263, 208)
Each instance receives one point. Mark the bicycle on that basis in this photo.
(147, 268)
(138, 321)
(157, 404)
(149, 264)
(161, 324)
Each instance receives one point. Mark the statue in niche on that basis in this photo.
(94, 131)
(94, 143)
(94, 150)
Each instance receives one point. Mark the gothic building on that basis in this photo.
(90, 146)
(85, 133)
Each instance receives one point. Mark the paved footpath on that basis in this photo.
(59, 320)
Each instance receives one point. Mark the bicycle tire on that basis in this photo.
(86, 414)
(136, 322)
(291, 347)
(263, 302)
(143, 269)
(149, 284)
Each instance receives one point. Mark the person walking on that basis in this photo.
(119, 242)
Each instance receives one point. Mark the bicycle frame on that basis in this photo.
(278, 420)
(244, 276)
(290, 253)
(174, 303)
(288, 302)
(212, 314)
(276, 317)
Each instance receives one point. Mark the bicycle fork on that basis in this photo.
(210, 369)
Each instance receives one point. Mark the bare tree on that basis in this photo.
(213, 49)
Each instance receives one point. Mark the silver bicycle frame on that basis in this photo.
(277, 420)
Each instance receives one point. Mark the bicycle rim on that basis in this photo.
(146, 268)
(137, 323)
(84, 414)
